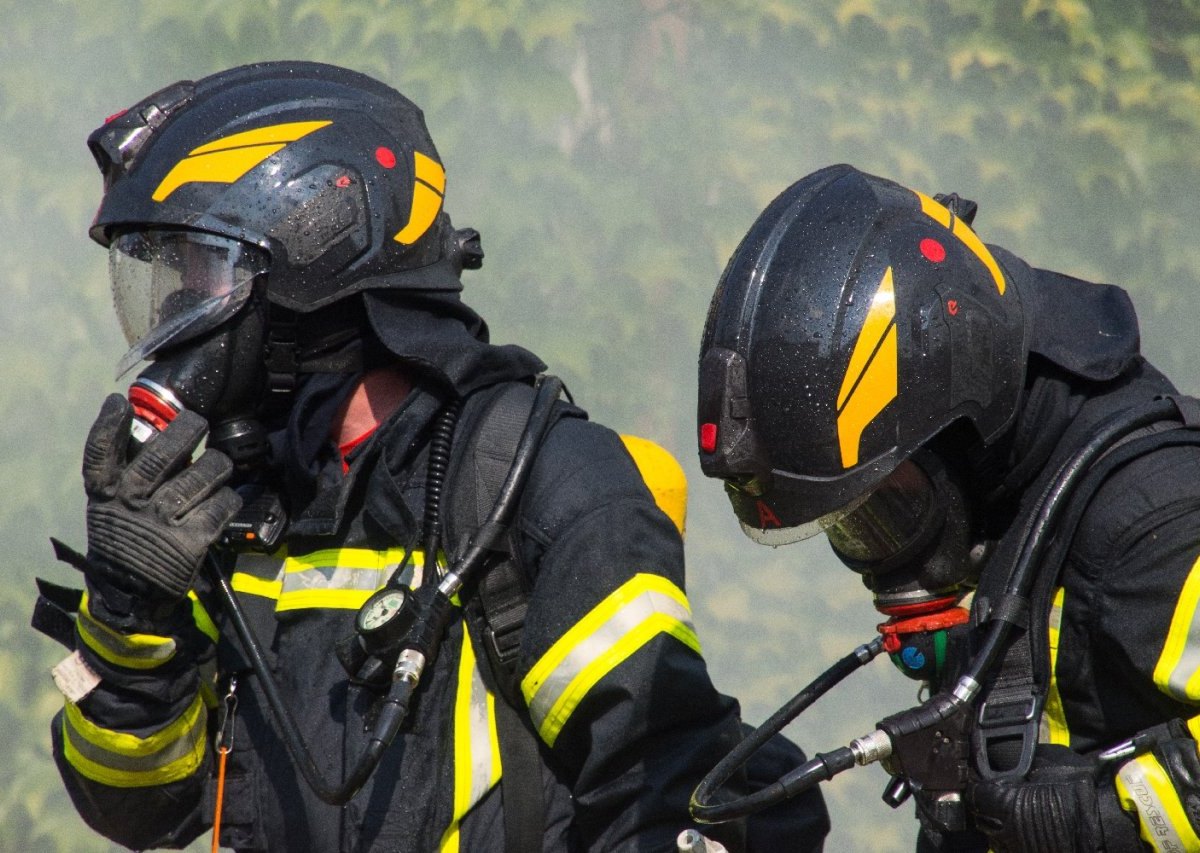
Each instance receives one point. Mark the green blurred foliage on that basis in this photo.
(612, 153)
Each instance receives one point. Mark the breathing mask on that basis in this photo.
(186, 301)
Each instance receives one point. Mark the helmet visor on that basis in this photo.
(786, 534)
(873, 527)
(891, 519)
(172, 286)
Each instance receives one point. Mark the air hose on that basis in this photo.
(421, 644)
(879, 744)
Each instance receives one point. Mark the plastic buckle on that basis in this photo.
(999, 724)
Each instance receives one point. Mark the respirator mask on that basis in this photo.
(187, 301)
(910, 537)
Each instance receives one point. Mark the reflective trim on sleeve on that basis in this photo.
(124, 760)
(1177, 672)
(643, 607)
(1053, 725)
(476, 745)
(132, 651)
(1144, 788)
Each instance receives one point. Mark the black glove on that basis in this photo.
(150, 520)
(1162, 788)
(1063, 806)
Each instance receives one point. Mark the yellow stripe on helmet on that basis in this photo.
(941, 214)
(225, 160)
(873, 376)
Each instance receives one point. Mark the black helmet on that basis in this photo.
(856, 321)
(331, 174)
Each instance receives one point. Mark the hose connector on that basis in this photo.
(409, 666)
(870, 748)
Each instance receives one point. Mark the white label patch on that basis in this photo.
(74, 678)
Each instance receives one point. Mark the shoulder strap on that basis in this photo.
(495, 611)
(500, 600)
(1008, 721)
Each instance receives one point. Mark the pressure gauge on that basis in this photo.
(385, 618)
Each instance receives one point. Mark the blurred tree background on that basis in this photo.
(612, 153)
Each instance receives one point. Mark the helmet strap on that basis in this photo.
(280, 354)
(326, 341)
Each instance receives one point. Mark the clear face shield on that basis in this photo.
(170, 286)
(910, 536)
(872, 528)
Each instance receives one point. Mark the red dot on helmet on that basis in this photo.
(386, 158)
(343, 181)
(708, 437)
(933, 250)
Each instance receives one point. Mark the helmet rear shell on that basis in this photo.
(857, 320)
(330, 171)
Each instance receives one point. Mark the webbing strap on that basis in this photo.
(1007, 723)
(55, 611)
(521, 782)
(496, 613)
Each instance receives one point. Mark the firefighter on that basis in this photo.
(957, 421)
(283, 268)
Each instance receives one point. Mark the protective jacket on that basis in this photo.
(1118, 629)
(610, 669)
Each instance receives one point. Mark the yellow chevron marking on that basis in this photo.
(941, 214)
(872, 377)
(225, 160)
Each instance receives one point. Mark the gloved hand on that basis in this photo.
(1063, 806)
(1162, 789)
(150, 520)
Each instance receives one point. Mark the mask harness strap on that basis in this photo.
(948, 709)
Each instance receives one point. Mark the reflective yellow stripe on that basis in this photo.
(132, 651)
(250, 585)
(643, 607)
(872, 377)
(1053, 724)
(225, 160)
(332, 578)
(203, 621)
(327, 599)
(940, 213)
(340, 578)
(124, 760)
(1144, 788)
(476, 746)
(1177, 672)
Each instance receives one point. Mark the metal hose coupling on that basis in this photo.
(870, 748)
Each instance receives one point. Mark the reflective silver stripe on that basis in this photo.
(642, 608)
(133, 651)
(126, 760)
(1178, 665)
(476, 748)
(332, 578)
(482, 725)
